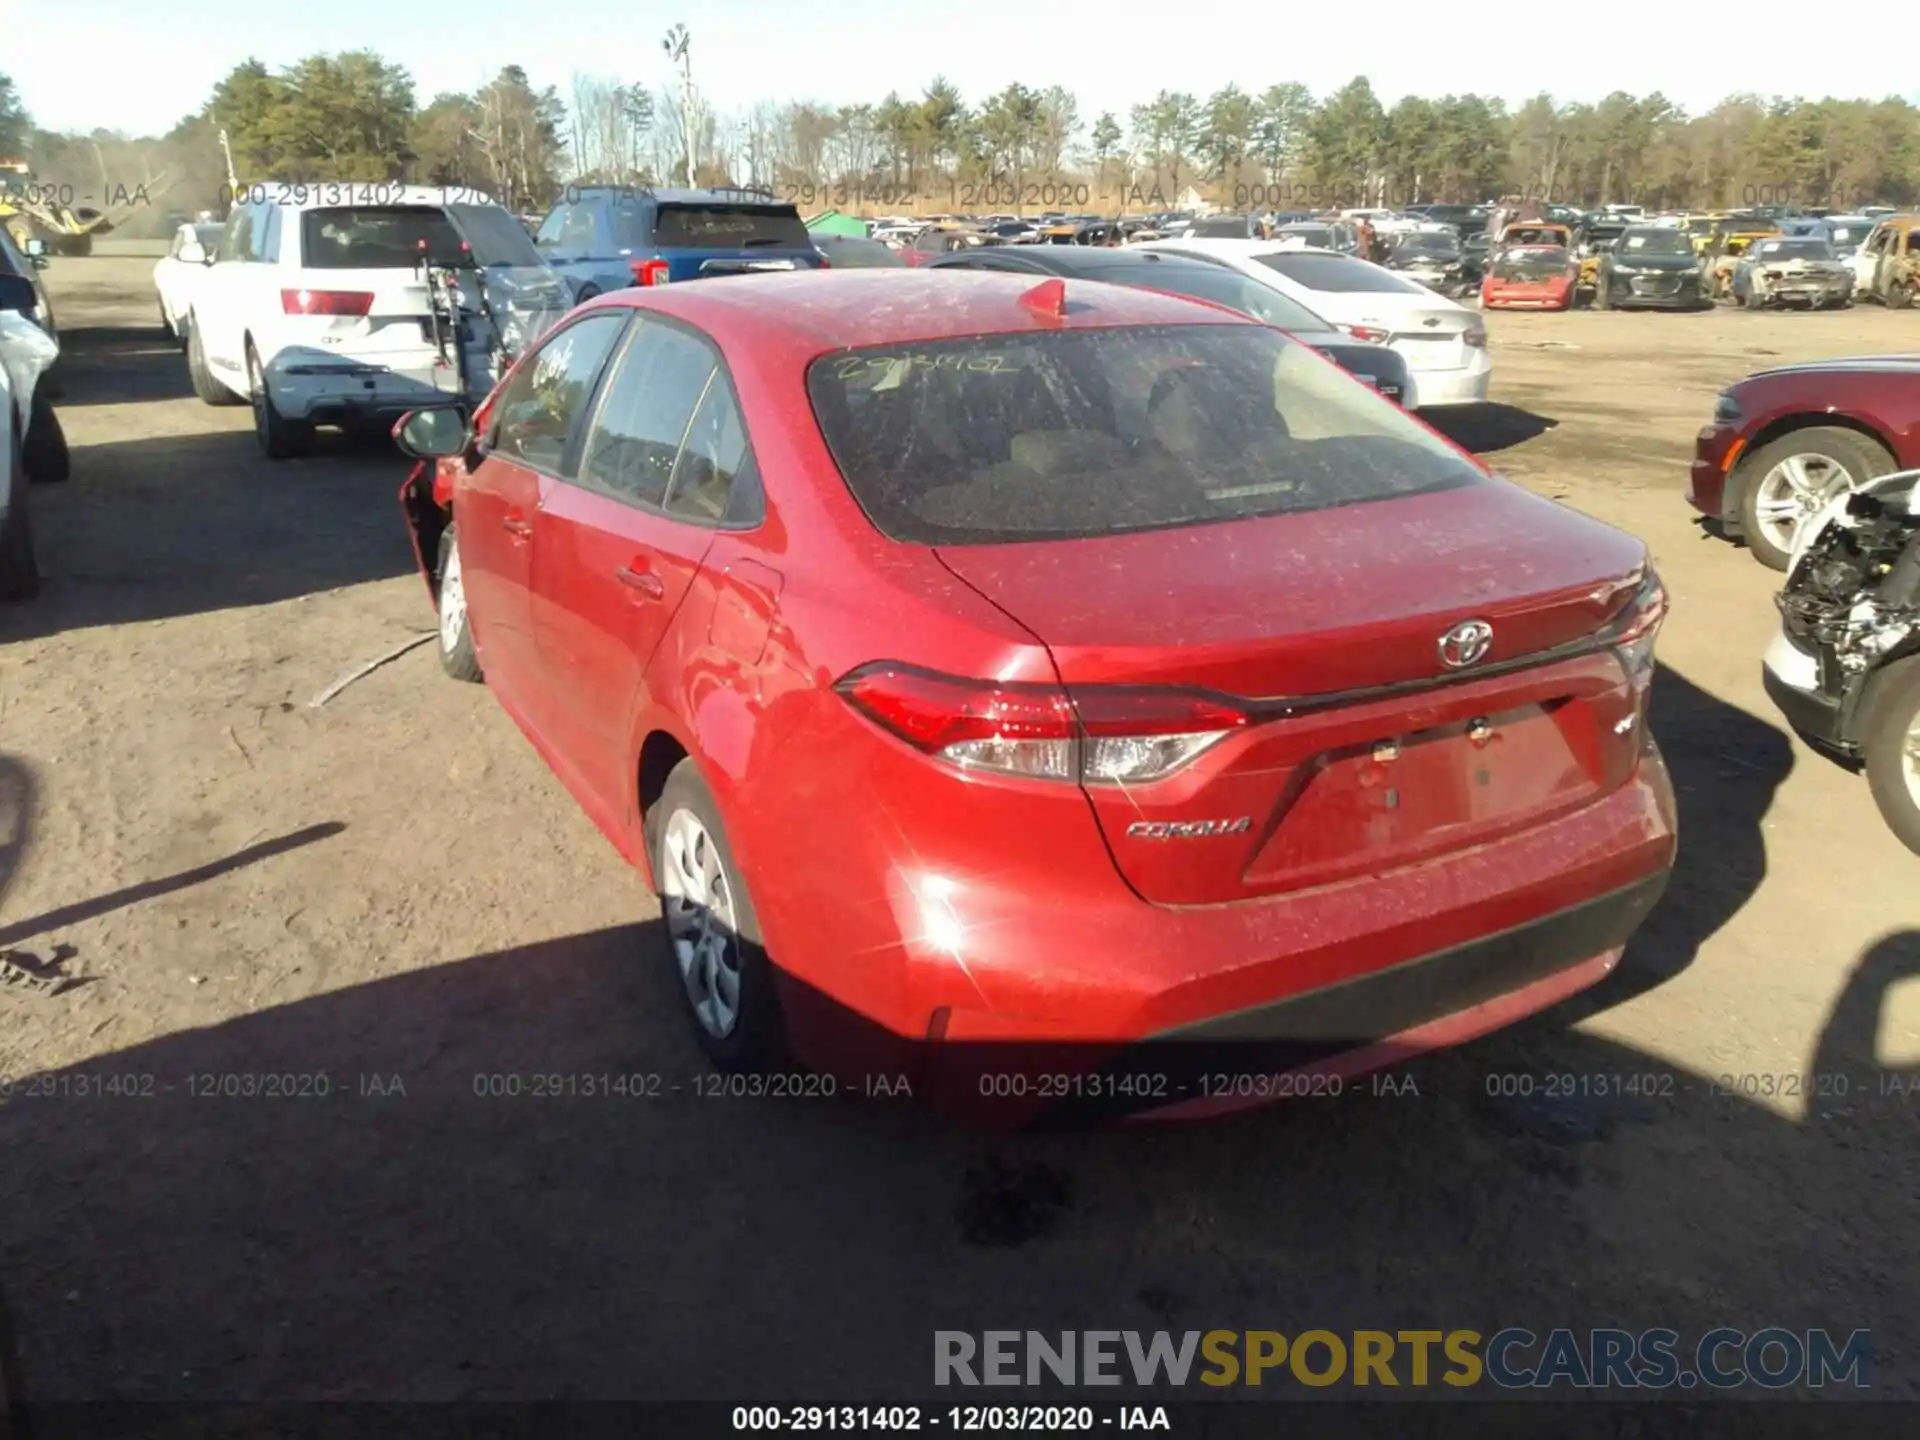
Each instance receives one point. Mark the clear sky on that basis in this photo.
(139, 65)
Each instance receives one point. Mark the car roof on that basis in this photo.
(679, 196)
(803, 313)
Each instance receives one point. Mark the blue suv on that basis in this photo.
(607, 237)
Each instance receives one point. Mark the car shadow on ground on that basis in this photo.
(1726, 765)
(121, 365)
(1487, 427)
(513, 1176)
(162, 526)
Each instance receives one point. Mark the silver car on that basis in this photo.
(1792, 270)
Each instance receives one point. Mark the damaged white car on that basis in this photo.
(1845, 667)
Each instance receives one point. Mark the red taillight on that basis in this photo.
(1367, 332)
(823, 264)
(650, 272)
(1631, 634)
(1107, 735)
(326, 302)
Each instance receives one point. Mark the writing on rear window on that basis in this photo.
(878, 367)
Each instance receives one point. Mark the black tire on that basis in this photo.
(279, 437)
(45, 447)
(757, 1041)
(1893, 725)
(19, 566)
(589, 292)
(1900, 295)
(1859, 456)
(457, 654)
(209, 390)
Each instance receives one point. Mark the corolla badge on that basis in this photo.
(1187, 829)
(1466, 644)
(1430, 323)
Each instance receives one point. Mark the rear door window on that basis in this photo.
(635, 440)
(712, 482)
(1004, 438)
(542, 405)
(720, 226)
(627, 218)
(578, 232)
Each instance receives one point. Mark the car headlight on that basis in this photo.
(1726, 410)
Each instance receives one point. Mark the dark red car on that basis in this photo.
(1784, 441)
(1531, 277)
(983, 663)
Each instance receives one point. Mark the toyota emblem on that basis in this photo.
(1466, 644)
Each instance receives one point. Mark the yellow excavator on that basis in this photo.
(31, 210)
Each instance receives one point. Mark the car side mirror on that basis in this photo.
(433, 434)
(17, 293)
(192, 253)
(35, 246)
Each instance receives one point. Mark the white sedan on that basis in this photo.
(175, 276)
(1444, 344)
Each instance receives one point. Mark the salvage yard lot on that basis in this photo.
(392, 892)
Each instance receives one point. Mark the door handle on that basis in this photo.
(517, 527)
(651, 586)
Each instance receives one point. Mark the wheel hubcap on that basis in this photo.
(1793, 491)
(698, 904)
(453, 601)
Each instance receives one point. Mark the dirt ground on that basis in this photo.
(391, 891)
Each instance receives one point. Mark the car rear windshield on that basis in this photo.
(1428, 241)
(1003, 438)
(1531, 265)
(731, 227)
(1220, 285)
(497, 238)
(1339, 274)
(1317, 236)
(378, 237)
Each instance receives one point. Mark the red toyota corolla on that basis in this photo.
(1037, 666)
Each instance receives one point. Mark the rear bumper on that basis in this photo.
(1432, 389)
(347, 394)
(975, 977)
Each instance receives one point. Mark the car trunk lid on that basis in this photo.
(1363, 749)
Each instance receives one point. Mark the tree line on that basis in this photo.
(356, 116)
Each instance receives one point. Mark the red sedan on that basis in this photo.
(967, 661)
(1531, 277)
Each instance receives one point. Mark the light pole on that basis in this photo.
(676, 45)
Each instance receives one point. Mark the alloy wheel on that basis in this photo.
(697, 901)
(1793, 492)
(453, 601)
